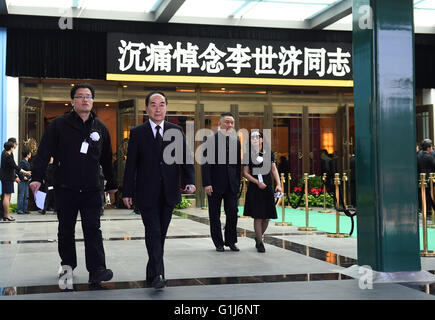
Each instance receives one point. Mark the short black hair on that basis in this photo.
(84, 86)
(147, 99)
(425, 144)
(13, 140)
(227, 114)
(8, 145)
(25, 152)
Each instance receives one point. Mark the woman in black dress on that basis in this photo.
(8, 177)
(260, 202)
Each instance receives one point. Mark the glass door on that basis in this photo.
(32, 124)
(424, 121)
(299, 137)
(127, 119)
(31, 130)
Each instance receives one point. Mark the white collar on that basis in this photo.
(153, 126)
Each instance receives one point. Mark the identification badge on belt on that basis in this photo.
(84, 148)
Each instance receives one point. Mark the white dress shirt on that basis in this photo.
(153, 127)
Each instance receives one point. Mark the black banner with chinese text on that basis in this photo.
(144, 54)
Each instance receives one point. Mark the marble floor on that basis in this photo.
(297, 265)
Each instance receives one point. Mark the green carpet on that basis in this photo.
(326, 222)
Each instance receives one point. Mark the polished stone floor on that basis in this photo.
(297, 265)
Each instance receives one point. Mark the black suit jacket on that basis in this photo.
(74, 170)
(146, 172)
(8, 167)
(222, 177)
(426, 163)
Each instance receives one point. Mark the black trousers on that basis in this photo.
(214, 213)
(69, 203)
(156, 221)
(50, 201)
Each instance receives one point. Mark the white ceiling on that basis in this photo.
(302, 14)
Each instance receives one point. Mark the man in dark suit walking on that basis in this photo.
(221, 173)
(155, 179)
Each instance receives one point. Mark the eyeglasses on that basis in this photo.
(83, 97)
(255, 137)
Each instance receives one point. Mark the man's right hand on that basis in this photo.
(34, 186)
(208, 190)
(128, 202)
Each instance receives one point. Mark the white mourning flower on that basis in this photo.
(95, 136)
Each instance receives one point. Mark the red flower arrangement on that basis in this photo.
(313, 191)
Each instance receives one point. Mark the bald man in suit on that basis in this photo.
(155, 182)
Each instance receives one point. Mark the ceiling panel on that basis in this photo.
(260, 13)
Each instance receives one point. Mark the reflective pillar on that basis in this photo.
(3, 110)
(385, 133)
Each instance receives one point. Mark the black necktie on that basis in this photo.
(159, 137)
(227, 149)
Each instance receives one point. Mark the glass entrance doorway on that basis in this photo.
(302, 122)
(127, 117)
(425, 127)
(299, 138)
(31, 123)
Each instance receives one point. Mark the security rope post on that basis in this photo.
(425, 252)
(283, 223)
(337, 234)
(244, 191)
(205, 207)
(431, 181)
(324, 194)
(289, 179)
(205, 204)
(344, 190)
(307, 227)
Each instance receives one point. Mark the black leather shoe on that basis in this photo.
(102, 275)
(233, 247)
(220, 248)
(159, 282)
(260, 247)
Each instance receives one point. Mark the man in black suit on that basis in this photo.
(221, 173)
(151, 174)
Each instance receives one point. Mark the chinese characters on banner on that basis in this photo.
(184, 56)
